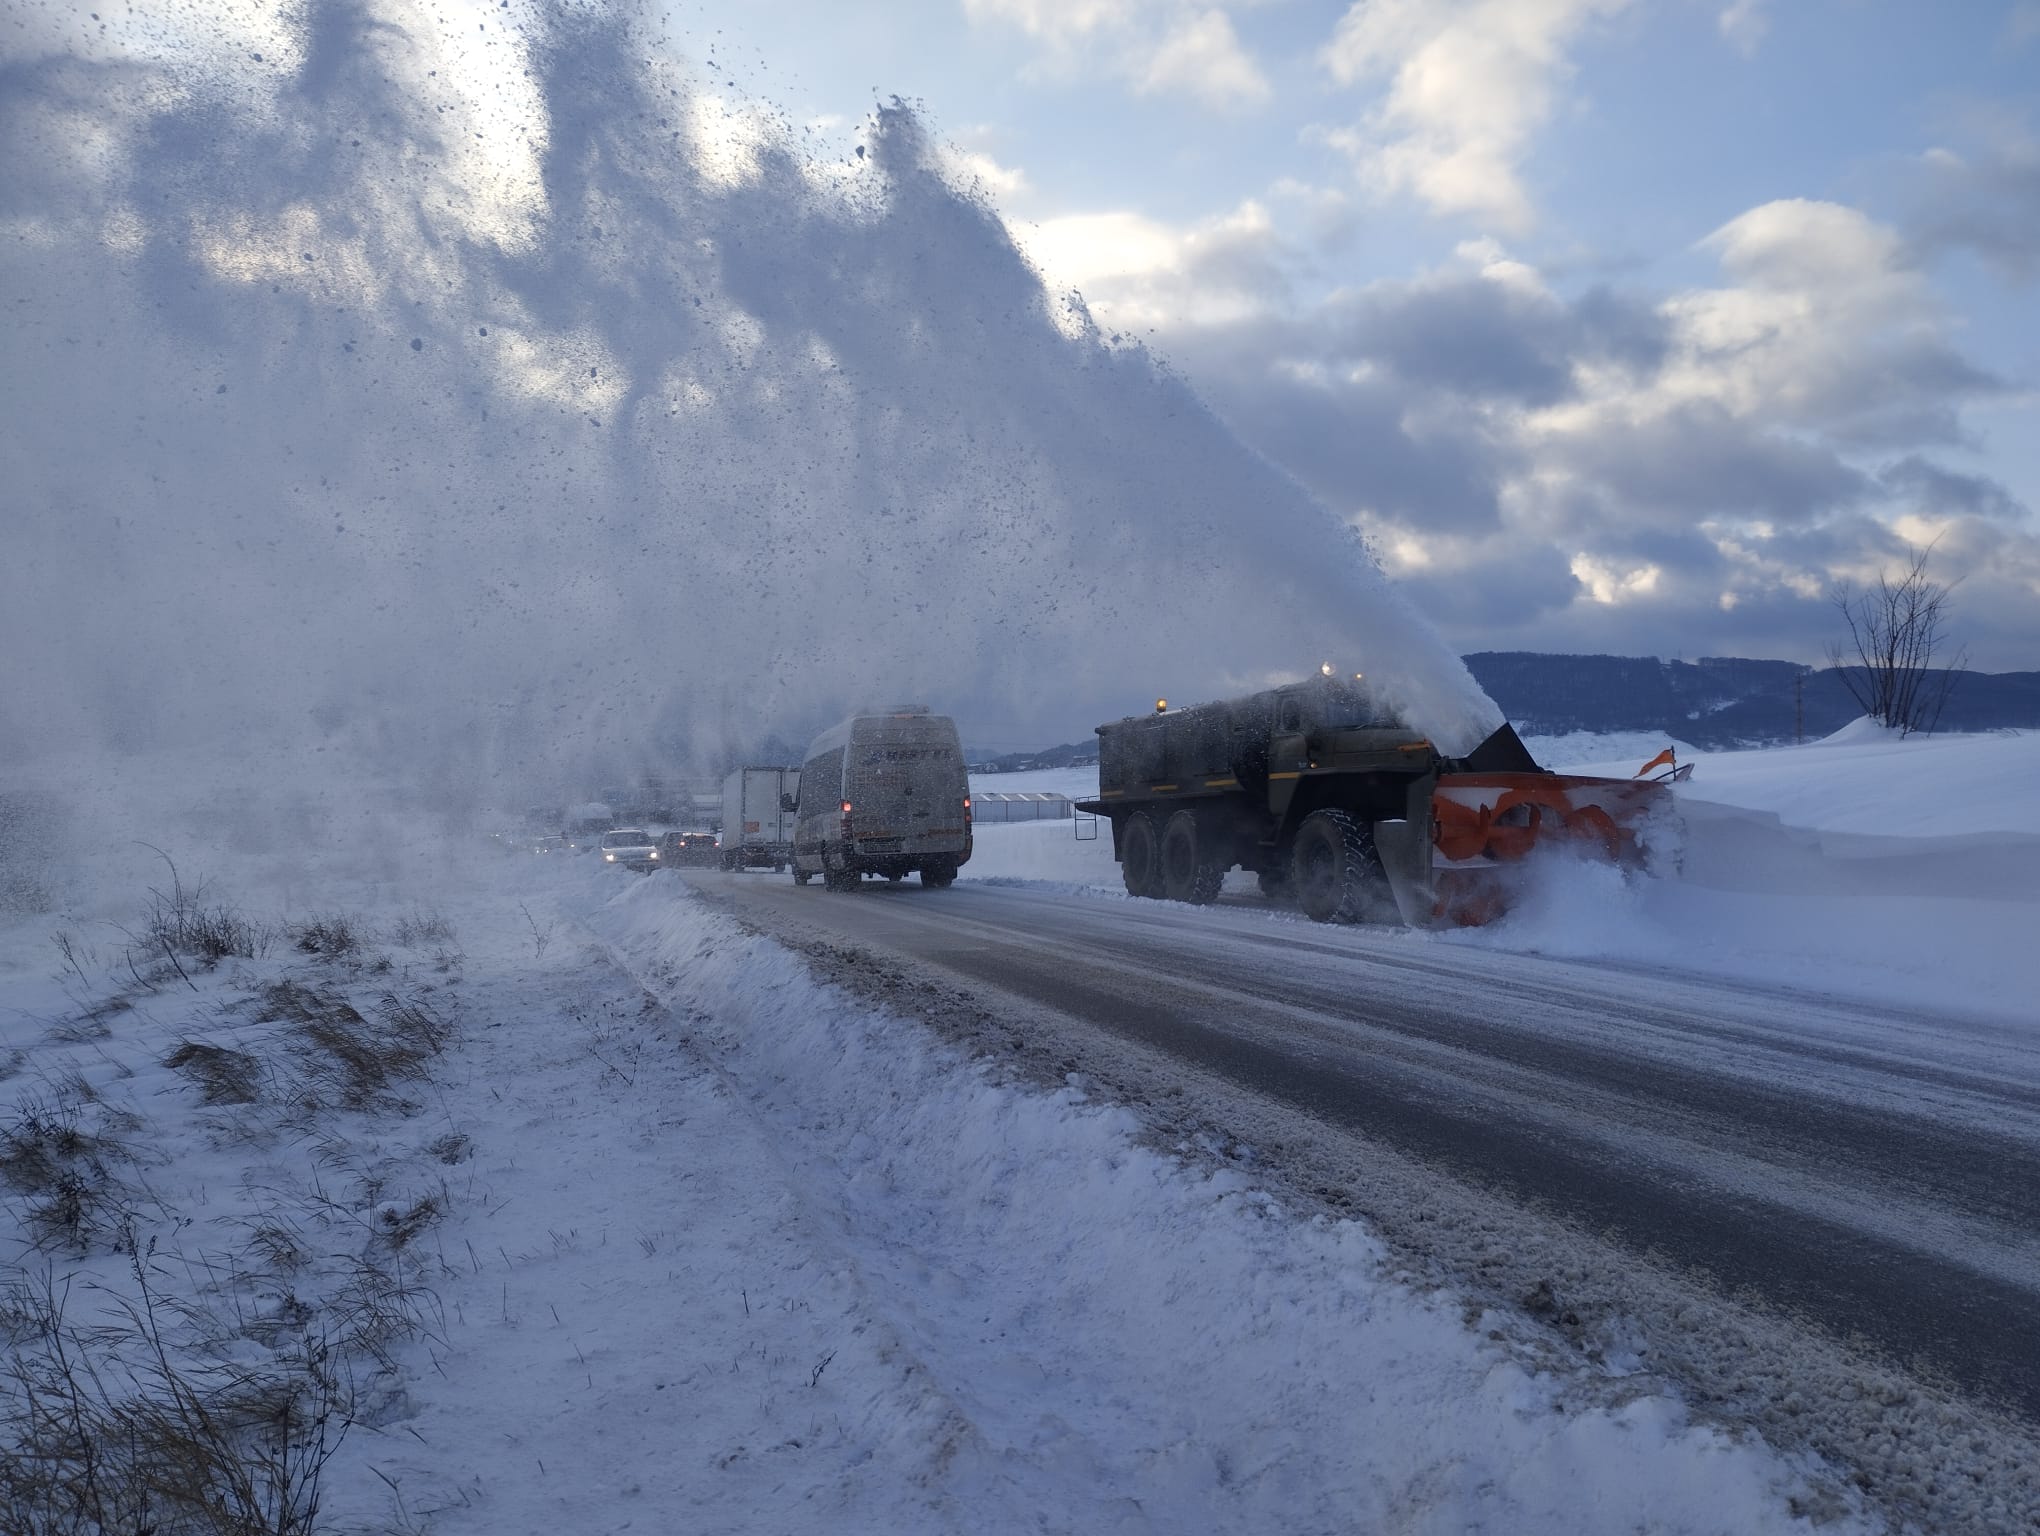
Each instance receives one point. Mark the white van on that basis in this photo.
(883, 794)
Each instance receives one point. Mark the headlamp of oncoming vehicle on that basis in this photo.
(655, 853)
(610, 856)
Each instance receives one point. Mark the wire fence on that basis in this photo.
(1021, 806)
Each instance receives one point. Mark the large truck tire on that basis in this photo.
(801, 876)
(1190, 870)
(1140, 856)
(1334, 870)
(940, 876)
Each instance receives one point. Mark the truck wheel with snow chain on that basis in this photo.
(1191, 868)
(1140, 856)
(1335, 870)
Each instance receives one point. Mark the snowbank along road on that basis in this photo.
(1806, 1210)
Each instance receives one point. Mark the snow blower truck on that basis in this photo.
(1331, 799)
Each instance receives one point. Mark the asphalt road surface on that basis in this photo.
(1874, 1173)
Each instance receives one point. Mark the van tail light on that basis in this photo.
(846, 821)
(846, 807)
(966, 813)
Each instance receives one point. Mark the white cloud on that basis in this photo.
(1824, 326)
(1136, 272)
(1744, 23)
(968, 168)
(1611, 581)
(1470, 83)
(1158, 47)
(1601, 465)
(1201, 56)
(1058, 22)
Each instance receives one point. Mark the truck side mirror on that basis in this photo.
(788, 803)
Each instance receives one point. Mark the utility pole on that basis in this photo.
(1799, 707)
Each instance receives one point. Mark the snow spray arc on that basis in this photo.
(476, 391)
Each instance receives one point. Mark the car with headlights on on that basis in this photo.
(631, 848)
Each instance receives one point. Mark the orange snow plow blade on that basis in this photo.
(1484, 824)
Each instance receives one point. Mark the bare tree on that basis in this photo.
(1895, 631)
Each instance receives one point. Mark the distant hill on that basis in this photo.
(1717, 701)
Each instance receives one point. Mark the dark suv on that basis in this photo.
(684, 850)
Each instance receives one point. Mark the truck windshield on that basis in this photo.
(1340, 705)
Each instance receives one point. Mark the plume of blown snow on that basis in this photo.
(471, 399)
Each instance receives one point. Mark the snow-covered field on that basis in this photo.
(1863, 866)
(577, 1206)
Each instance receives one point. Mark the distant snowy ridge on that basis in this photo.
(1719, 701)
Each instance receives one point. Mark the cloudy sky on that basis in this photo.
(1618, 325)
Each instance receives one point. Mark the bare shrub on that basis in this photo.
(182, 920)
(379, 1308)
(360, 1064)
(358, 1060)
(278, 1248)
(292, 1002)
(221, 1076)
(1896, 629)
(106, 1430)
(453, 1147)
(412, 1021)
(540, 937)
(63, 1172)
(417, 928)
(398, 1227)
(219, 933)
(331, 935)
(77, 955)
(93, 1023)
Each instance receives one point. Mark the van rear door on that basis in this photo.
(909, 785)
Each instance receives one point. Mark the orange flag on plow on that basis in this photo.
(1664, 757)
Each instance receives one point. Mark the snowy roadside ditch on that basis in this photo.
(1121, 1342)
(220, 1195)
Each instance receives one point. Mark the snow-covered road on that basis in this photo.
(1645, 1141)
